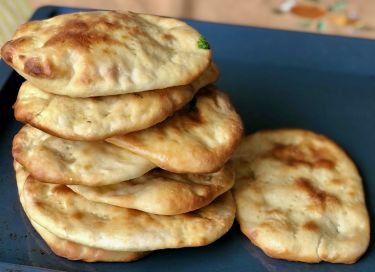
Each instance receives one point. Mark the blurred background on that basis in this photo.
(340, 17)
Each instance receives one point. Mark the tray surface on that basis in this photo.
(275, 79)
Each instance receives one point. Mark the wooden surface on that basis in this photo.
(351, 17)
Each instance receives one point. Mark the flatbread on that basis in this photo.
(162, 192)
(71, 250)
(104, 53)
(72, 217)
(198, 139)
(299, 197)
(74, 251)
(97, 118)
(56, 160)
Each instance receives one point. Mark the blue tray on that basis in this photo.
(275, 79)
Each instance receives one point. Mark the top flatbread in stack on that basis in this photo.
(106, 53)
(299, 197)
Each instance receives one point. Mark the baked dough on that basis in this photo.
(72, 217)
(197, 139)
(299, 197)
(97, 118)
(102, 53)
(162, 192)
(56, 160)
(71, 250)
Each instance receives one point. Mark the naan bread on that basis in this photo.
(198, 139)
(98, 118)
(161, 192)
(104, 53)
(299, 197)
(71, 250)
(56, 160)
(72, 217)
(74, 251)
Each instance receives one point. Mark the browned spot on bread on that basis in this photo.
(324, 164)
(77, 215)
(352, 194)
(295, 155)
(311, 226)
(288, 153)
(79, 39)
(61, 189)
(112, 71)
(7, 52)
(337, 181)
(167, 37)
(136, 31)
(78, 34)
(105, 50)
(34, 67)
(194, 119)
(133, 212)
(9, 49)
(76, 25)
(39, 204)
(253, 233)
(87, 166)
(109, 26)
(321, 157)
(319, 197)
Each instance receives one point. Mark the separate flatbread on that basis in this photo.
(56, 160)
(71, 250)
(198, 139)
(104, 53)
(299, 197)
(72, 217)
(98, 118)
(161, 192)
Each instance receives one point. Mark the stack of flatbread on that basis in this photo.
(125, 144)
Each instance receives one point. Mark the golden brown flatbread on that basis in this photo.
(162, 192)
(97, 118)
(56, 160)
(71, 250)
(102, 53)
(72, 217)
(197, 139)
(74, 251)
(299, 197)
